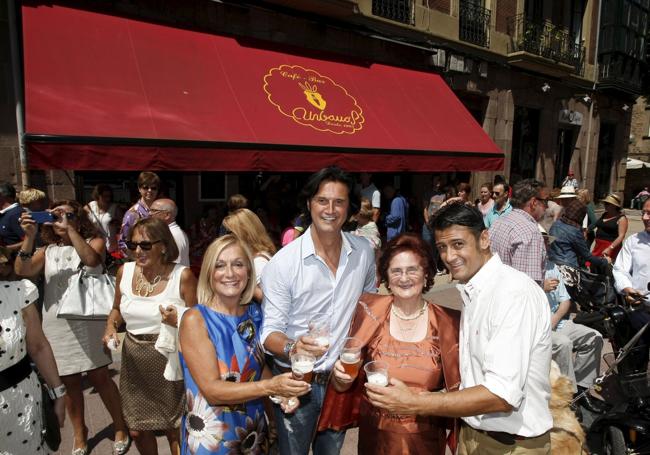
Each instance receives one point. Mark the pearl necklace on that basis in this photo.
(416, 315)
(144, 287)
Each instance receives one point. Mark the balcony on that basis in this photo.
(474, 24)
(544, 47)
(395, 10)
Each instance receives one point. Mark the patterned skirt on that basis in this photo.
(149, 401)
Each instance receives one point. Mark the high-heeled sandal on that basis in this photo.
(121, 447)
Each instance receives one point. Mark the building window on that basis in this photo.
(395, 10)
(474, 23)
(212, 186)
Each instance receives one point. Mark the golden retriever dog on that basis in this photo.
(567, 436)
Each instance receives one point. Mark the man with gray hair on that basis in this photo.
(515, 237)
(166, 210)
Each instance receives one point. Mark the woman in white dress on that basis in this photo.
(20, 389)
(249, 229)
(104, 214)
(71, 240)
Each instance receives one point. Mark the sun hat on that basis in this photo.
(566, 192)
(613, 199)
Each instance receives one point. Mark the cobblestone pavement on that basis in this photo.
(98, 422)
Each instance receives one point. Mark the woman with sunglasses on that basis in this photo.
(149, 291)
(70, 241)
(226, 378)
(148, 186)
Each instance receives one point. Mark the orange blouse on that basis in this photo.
(430, 364)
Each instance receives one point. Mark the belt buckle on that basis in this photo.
(502, 437)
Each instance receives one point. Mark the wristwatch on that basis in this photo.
(57, 392)
(25, 254)
(288, 348)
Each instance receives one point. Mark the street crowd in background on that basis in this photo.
(236, 338)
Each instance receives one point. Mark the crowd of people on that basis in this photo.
(285, 349)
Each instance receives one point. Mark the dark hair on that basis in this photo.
(412, 243)
(101, 189)
(85, 227)
(506, 187)
(466, 187)
(157, 229)
(7, 190)
(524, 190)
(499, 179)
(458, 214)
(328, 174)
(236, 202)
(149, 179)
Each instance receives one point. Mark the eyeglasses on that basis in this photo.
(152, 211)
(494, 193)
(543, 201)
(146, 245)
(411, 272)
(147, 187)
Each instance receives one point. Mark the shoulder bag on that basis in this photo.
(89, 295)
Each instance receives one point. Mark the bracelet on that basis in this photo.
(57, 392)
(22, 254)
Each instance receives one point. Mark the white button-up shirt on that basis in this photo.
(505, 346)
(297, 284)
(632, 267)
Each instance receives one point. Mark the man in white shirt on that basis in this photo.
(322, 271)
(632, 270)
(166, 210)
(505, 348)
(368, 190)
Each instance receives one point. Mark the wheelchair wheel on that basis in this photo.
(614, 441)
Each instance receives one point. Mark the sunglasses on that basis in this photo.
(146, 245)
(543, 201)
(494, 193)
(147, 187)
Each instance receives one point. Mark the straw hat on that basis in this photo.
(613, 199)
(566, 192)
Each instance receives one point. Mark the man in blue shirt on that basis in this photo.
(397, 218)
(501, 206)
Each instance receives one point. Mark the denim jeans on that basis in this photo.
(296, 431)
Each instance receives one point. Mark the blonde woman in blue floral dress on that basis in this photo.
(225, 395)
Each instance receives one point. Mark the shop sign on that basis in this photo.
(570, 117)
(312, 99)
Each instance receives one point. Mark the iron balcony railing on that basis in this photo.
(395, 10)
(474, 24)
(546, 40)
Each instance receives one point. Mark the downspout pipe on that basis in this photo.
(16, 70)
(593, 100)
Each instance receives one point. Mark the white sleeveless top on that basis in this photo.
(142, 314)
(103, 222)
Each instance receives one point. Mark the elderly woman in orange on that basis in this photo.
(149, 293)
(225, 375)
(248, 227)
(418, 342)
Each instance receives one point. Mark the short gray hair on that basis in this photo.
(524, 190)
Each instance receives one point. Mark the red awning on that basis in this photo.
(106, 92)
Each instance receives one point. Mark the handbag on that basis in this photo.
(51, 432)
(89, 296)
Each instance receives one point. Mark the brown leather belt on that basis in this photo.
(321, 378)
(503, 437)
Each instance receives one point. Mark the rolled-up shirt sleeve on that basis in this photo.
(277, 299)
(507, 356)
(623, 268)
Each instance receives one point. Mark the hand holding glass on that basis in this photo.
(302, 367)
(377, 373)
(351, 356)
(319, 329)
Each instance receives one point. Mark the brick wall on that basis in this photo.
(505, 10)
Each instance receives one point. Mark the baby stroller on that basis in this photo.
(625, 428)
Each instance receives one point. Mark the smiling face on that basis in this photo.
(147, 258)
(231, 273)
(485, 194)
(329, 207)
(462, 252)
(406, 276)
(149, 193)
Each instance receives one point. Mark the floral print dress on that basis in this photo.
(227, 429)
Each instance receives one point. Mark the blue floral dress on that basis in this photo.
(228, 429)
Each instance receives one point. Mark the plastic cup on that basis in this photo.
(319, 328)
(112, 344)
(302, 367)
(351, 356)
(377, 373)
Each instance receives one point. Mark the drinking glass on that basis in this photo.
(351, 356)
(319, 328)
(302, 367)
(377, 373)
